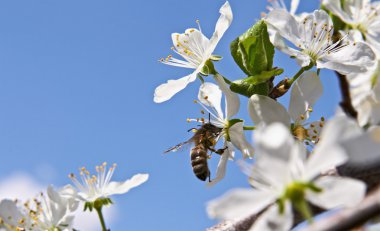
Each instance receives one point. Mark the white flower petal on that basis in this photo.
(167, 90)
(210, 95)
(305, 92)
(337, 192)
(285, 24)
(222, 166)
(232, 99)
(274, 145)
(302, 59)
(364, 149)
(273, 220)
(239, 203)
(264, 110)
(336, 8)
(222, 25)
(238, 139)
(123, 187)
(328, 153)
(9, 212)
(293, 6)
(350, 59)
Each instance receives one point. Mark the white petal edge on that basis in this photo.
(232, 99)
(305, 92)
(264, 110)
(123, 187)
(167, 90)
(337, 192)
(238, 139)
(239, 203)
(350, 59)
(222, 166)
(221, 26)
(210, 95)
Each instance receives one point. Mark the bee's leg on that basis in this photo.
(192, 130)
(219, 151)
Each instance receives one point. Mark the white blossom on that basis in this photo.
(50, 212)
(196, 49)
(361, 15)
(305, 92)
(313, 43)
(210, 97)
(100, 186)
(283, 178)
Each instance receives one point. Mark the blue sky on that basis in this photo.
(76, 89)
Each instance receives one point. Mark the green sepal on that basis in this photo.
(234, 121)
(216, 57)
(253, 51)
(97, 204)
(208, 68)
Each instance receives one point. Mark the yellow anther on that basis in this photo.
(321, 125)
(195, 101)
(71, 175)
(206, 97)
(188, 120)
(202, 112)
(310, 109)
(302, 117)
(322, 119)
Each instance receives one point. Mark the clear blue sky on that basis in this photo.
(76, 89)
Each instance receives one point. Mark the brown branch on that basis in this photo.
(346, 102)
(350, 218)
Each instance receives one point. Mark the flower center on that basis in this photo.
(317, 40)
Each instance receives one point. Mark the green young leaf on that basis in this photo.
(256, 84)
(244, 87)
(253, 51)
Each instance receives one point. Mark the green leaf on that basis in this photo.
(253, 51)
(256, 84)
(245, 88)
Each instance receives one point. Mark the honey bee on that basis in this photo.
(204, 140)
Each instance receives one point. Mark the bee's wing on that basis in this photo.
(180, 146)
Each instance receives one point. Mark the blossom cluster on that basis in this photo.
(293, 157)
(55, 210)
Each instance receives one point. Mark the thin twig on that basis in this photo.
(346, 102)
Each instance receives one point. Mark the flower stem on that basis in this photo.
(249, 128)
(295, 77)
(101, 218)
